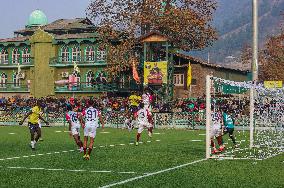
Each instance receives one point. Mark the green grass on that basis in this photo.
(174, 148)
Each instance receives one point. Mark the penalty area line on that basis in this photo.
(152, 174)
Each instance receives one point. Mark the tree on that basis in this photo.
(273, 60)
(188, 22)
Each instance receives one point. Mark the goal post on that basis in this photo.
(258, 111)
(208, 115)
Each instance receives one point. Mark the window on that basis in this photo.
(4, 57)
(77, 78)
(16, 80)
(179, 79)
(89, 78)
(90, 54)
(16, 56)
(193, 82)
(101, 54)
(76, 53)
(3, 80)
(65, 54)
(26, 56)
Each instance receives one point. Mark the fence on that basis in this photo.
(116, 119)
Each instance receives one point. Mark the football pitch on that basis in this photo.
(171, 158)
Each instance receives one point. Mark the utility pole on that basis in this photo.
(254, 65)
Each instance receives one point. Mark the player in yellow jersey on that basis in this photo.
(34, 116)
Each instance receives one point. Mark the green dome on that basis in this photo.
(37, 18)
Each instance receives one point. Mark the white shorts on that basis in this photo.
(142, 126)
(215, 131)
(90, 130)
(75, 129)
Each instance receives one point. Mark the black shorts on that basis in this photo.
(33, 127)
(228, 130)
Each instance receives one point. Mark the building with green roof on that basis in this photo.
(65, 58)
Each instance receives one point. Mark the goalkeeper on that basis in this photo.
(229, 125)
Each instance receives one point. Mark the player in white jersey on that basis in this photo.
(72, 116)
(90, 121)
(216, 131)
(147, 99)
(144, 120)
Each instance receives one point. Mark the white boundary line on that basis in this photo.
(66, 170)
(68, 151)
(153, 173)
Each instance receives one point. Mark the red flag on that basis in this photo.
(135, 73)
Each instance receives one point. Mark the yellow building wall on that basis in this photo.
(42, 76)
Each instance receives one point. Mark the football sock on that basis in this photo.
(233, 139)
(89, 151)
(138, 137)
(212, 144)
(220, 140)
(85, 151)
(150, 129)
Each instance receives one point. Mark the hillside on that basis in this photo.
(233, 21)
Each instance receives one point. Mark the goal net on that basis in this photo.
(243, 120)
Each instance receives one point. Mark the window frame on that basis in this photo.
(65, 54)
(89, 77)
(179, 80)
(16, 81)
(3, 81)
(4, 57)
(26, 56)
(16, 56)
(76, 54)
(90, 54)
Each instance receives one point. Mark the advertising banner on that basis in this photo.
(155, 72)
(273, 84)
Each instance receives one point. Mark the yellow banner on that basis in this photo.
(189, 76)
(273, 84)
(155, 72)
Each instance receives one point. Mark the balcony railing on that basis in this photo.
(86, 87)
(80, 60)
(13, 87)
(97, 87)
(25, 61)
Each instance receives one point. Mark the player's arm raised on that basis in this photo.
(26, 116)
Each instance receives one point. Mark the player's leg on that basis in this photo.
(40, 134)
(76, 135)
(212, 143)
(86, 134)
(220, 143)
(40, 131)
(140, 130)
(32, 132)
(78, 141)
(92, 138)
(150, 131)
(231, 135)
